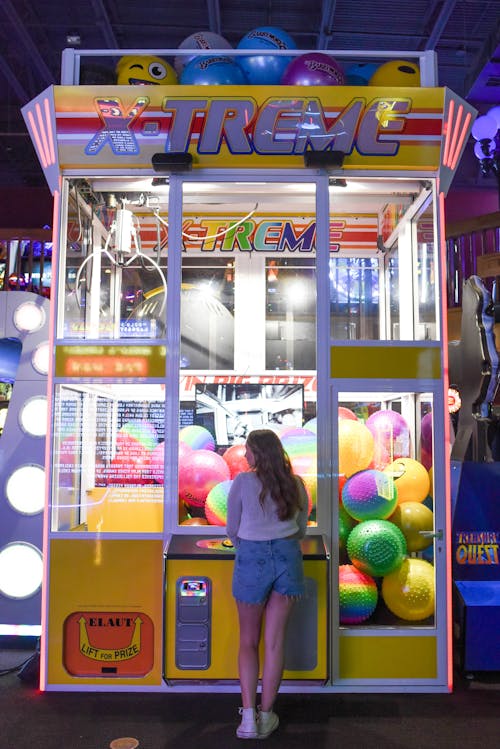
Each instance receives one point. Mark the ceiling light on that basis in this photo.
(486, 133)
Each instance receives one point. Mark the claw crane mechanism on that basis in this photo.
(122, 248)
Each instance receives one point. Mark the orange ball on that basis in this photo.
(356, 446)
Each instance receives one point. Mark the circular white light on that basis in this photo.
(484, 128)
(29, 317)
(21, 570)
(33, 416)
(25, 489)
(40, 358)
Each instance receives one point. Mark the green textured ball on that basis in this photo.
(346, 524)
(376, 547)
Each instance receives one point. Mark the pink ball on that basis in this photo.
(130, 467)
(313, 69)
(236, 460)
(200, 471)
(392, 437)
(158, 460)
(426, 432)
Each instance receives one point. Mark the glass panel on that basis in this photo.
(108, 458)
(386, 520)
(115, 263)
(425, 313)
(354, 298)
(207, 313)
(248, 308)
(290, 314)
(394, 332)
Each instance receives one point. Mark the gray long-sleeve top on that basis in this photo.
(247, 519)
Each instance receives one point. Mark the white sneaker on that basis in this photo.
(267, 723)
(248, 726)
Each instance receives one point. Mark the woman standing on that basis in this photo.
(266, 517)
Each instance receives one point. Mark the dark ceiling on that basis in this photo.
(464, 33)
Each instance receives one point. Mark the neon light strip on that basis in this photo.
(447, 470)
(458, 149)
(42, 132)
(446, 131)
(21, 630)
(48, 121)
(454, 131)
(56, 219)
(36, 136)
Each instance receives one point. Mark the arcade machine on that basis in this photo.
(24, 359)
(475, 372)
(298, 230)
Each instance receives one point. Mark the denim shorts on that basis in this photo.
(263, 566)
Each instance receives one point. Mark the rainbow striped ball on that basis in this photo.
(376, 547)
(198, 438)
(358, 595)
(370, 495)
(216, 503)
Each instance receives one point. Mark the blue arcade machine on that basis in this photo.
(475, 471)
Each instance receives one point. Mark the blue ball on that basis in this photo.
(265, 70)
(210, 71)
(360, 73)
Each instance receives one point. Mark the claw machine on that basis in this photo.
(229, 258)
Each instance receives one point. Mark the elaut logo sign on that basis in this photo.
(110, 644)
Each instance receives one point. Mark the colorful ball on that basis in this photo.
(358, 595)
(370, 495)
(137, 70)
(411, 518)
(396, 73)
(313, 69)
(356, 446)
(265, 70)
(346, 524)
(212, 71)
(426, 432)
(199, 472)
(236, 460)
(300, 446)
(140, 431)
(392, 437)
(201, 41)
(130, 467)
(376, 547)
(409, 591)
(158, 463)
(194, 521)
(360, 73)
(412, 479)
(196, 437)
(216, 503)
(346, 413)
(312, 425)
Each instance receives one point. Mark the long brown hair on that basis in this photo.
(273, 468)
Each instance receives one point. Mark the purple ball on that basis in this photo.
(426, 432)
(313, 69)
(370, 495)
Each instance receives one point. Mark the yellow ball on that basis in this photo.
(411, 518)
(411, 479)
(356, 446)
(139, 70)
(396, 73)
(409, 591)
(431, 482)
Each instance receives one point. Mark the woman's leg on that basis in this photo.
(278, 610)
(250, 619)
